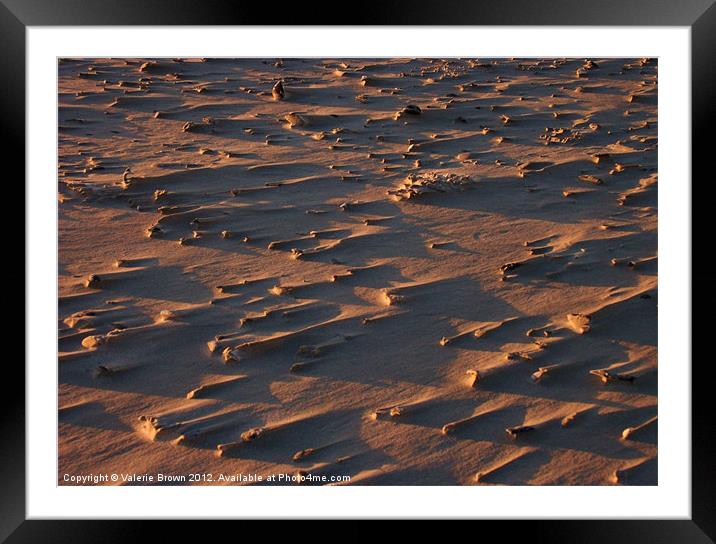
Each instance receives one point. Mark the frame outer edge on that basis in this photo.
(387, 12)
(12, 442)
(703, 90)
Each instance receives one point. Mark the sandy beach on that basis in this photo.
(358, 271)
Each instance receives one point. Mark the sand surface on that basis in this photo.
(405, 271)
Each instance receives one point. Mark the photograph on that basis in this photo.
(357, 271)
(429, 262)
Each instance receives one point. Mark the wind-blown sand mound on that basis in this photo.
(405, 271)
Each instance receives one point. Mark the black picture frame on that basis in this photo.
(699, 15)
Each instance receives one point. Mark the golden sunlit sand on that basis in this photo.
(404, 271)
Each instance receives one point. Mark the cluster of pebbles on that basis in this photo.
(416, 185)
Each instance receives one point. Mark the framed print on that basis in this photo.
(434, 264)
